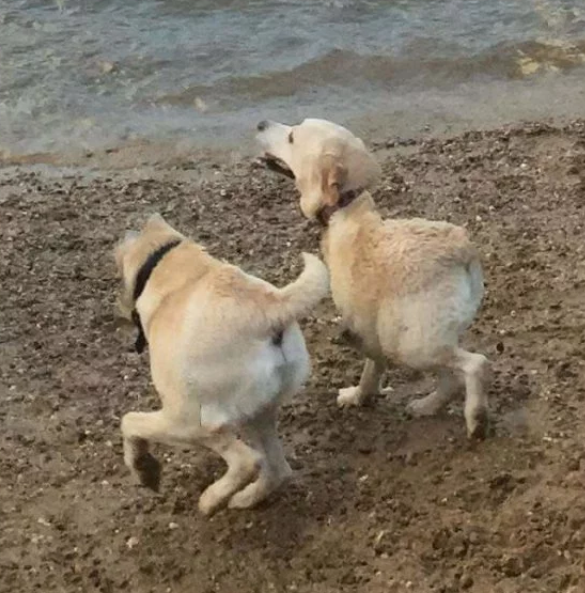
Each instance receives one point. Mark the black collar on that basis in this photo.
(325, 214)
(140, 284)
(345, 199)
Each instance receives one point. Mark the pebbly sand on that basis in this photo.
(380, 502)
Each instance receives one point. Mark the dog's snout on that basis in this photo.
(263, 125)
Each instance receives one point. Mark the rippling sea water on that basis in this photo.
(79, 74)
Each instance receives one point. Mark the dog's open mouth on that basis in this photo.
(275, 164)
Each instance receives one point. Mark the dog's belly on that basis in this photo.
(357, 330)
(351, 338)
(361, 336)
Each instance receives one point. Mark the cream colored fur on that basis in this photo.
(407, 288)
(214, 362)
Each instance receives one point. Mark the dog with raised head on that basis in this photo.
(406, 289)
(225, 351)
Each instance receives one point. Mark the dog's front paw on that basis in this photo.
(349, 396)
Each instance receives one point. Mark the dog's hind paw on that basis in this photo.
(209, 503)
(147, 469)
(478, 425)
(250, 496)
(259, 490)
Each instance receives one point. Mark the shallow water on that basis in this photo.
(77, 74)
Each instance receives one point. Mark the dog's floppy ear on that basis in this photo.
(333, 179)
(124, 300)
(122, 246)
(363, 169)
(155, 220)
(130, 236)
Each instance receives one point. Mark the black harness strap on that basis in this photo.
(141, 279)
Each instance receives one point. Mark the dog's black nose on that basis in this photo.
(262, 125)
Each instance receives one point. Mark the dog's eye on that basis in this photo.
(290, 138)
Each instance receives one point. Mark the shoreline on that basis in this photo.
(146, 157)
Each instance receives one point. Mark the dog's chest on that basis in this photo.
(351, 288)
(341, 294)
(351, 299)
(340, 262)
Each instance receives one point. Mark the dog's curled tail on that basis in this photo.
(300, 296)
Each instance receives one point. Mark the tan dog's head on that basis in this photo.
(133, 250)
(324, 158)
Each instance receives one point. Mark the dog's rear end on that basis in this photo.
(225, 350)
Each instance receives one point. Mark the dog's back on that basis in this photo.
(225, 349)
(230, 341)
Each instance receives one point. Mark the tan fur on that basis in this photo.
(211, 333)
(407, 288)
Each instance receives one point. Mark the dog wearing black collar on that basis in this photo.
(225, 350)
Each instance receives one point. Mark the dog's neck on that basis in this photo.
(360, 215)
(345, 199)
(350, 201)
(142, 277)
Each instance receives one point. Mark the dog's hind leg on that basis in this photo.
(243, 464)
(476, 371)
(140, 428)
(274, 469)
(369, 384)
